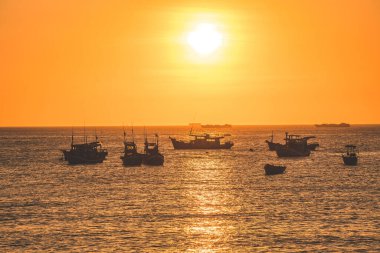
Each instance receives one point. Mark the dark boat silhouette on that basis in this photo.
(333, 125)
(131, 157)
(85, 153)
(152, 156)
(350, 157)
(273, 145)
(202, 141)
(274, 169)
(295, 146)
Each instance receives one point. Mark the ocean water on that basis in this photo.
(199, 201)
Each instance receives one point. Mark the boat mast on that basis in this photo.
(72, 136)
(84, 133)
(133, 135)
(124, 133)
(146, 141)
(145, 136)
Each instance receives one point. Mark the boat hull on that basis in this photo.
(273, 169)
(284, 151)
(153, 159)
(204, 145)
(84, 158)
(132, 160)
(350, 160)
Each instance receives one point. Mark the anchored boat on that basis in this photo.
(85, 153)
(131, 157)
(350, 157)
(295, 146)
(274, 169)
(152, 156)
(273, 145)
(202, 141)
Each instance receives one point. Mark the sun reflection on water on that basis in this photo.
(210, 228)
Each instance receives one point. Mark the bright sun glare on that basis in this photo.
(205, 39)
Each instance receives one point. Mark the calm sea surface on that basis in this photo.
(199, 201)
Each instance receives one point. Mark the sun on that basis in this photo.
(205, 39)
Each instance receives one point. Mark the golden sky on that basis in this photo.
(114, 62)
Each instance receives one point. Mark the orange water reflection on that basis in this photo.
(210, 230)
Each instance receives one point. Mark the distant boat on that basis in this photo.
(152, 156)
(295, 146)
(85, 153)
(350, 157)
(333, 125)
(217, 126)
(202, 141)
(274, 169)
(131, 157)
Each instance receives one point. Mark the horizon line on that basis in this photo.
(178, 125)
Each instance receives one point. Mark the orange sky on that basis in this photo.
(115, 62)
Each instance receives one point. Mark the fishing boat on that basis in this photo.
(152, 156)
(350, 157)
(274, 169)
(131, 157)
(295, 146)
(202, 141)
(85, 153)
(273, 145)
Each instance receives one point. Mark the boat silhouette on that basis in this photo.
(271, 169)
(152, 156)
(273, 145)
(202, 141)
(85, 153)
(295, 146)
(350, 157)
(131, 157)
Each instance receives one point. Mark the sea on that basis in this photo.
(198, 201)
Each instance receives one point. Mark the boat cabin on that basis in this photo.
(130, 147)
(87, 146)
(350, 150)
(293, 139)
(151, 147)
(206, 138)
